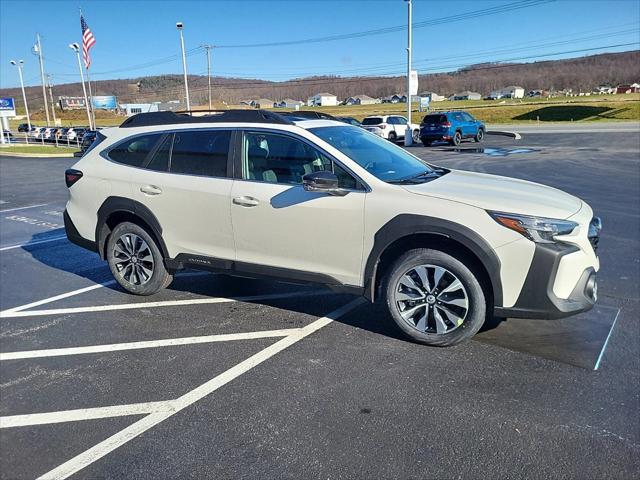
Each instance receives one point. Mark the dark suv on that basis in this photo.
(450, 127)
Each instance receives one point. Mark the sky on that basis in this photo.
(139, 38)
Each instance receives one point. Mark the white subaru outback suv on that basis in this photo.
(254, 193)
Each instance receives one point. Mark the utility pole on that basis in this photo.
(76, 48)
(207, 49)
(37, 49)
(408, 133)
(19, 64)
(53, 105)
(179, 26)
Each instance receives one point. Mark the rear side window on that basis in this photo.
(202, 152)
(134, 152)
(372, 121)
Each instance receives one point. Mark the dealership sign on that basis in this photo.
(7, 107)
(105, 102)
(71, 103)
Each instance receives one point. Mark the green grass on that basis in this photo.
(37, 149)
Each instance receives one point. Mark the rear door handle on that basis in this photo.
(246, 201)
(151, 190)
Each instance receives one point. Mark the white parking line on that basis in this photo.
(168, 342)
(23, 208)
(604, 346)
(166, 303)
(32, 419)
(164, 410)
(28, 244)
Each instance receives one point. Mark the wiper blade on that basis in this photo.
(416, 178)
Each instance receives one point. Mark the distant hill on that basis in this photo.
(582, 73)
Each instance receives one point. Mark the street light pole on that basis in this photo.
(208, 50)
(408, 134)
(179, 26)
(19, 64)
(38, 51)
(76, 48)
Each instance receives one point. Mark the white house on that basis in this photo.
(432, 96)
(322, 100)
(466, 95)
(263, 103)
(513, 91)
(135, 108)
(289, 103)
(361, 100)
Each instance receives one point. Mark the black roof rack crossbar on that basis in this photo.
(212, 116)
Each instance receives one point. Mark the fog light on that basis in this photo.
(591, 288)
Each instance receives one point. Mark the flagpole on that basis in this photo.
(93, 113)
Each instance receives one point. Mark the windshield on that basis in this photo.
(372, 121)
(380, 157)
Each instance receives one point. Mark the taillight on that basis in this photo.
(446, 125)
(71, 176)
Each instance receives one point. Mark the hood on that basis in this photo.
(502, 194)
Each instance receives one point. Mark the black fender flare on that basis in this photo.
(406, 225)
(126, 205)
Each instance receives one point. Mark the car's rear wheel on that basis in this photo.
(136, 261)
(434, 298)
(457, 139)
(392, 137)
(479, 136)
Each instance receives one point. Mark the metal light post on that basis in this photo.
(19, 64)
(37, 50)
(76, 48)
(179, 26)
(408, 133)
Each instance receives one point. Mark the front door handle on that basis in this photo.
(246, 201)
(151, 190)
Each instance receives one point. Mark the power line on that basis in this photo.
(398, 28)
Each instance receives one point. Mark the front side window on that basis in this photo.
(276, 158)
(134, 151)
(201, 152)
(401, 120)
(381, 158)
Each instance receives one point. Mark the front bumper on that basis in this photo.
(537, 299)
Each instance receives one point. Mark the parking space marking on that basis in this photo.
(28, 244)
(168, 342)
(72, 293)
(604, 346)
(164, 303)
(160, 411)
(33, 419)
(23, 208)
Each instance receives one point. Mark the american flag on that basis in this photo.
(88, 41)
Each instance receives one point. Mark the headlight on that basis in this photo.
(537, 229)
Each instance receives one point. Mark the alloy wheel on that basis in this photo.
(133, 259)
(431, 299)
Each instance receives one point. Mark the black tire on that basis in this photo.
(392, 137)
(119, 264)
(426, 143)
(416, 136)
(457, 139)
(479, 136)
(461, 329)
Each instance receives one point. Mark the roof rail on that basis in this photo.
(211, 116)
(308, 114)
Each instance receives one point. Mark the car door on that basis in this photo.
(185, 181)
(401, 126)
(280, 228)
(470, 125)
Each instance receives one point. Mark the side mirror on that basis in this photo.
(322, 181)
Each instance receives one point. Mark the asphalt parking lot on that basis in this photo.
(219, 377)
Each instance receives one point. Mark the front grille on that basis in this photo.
(594, 232)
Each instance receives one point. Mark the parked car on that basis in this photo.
(350, 121)
(391, 127)
(23, 128)
(321, 201)
(452, 127)
(76, 133)
(8, 136)
(50, 134)
(37, 132)
(87, 140)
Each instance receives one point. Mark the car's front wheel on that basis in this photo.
(479, 136)
(434, 298)
(136, 261)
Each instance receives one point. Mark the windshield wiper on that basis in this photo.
(420, 177)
